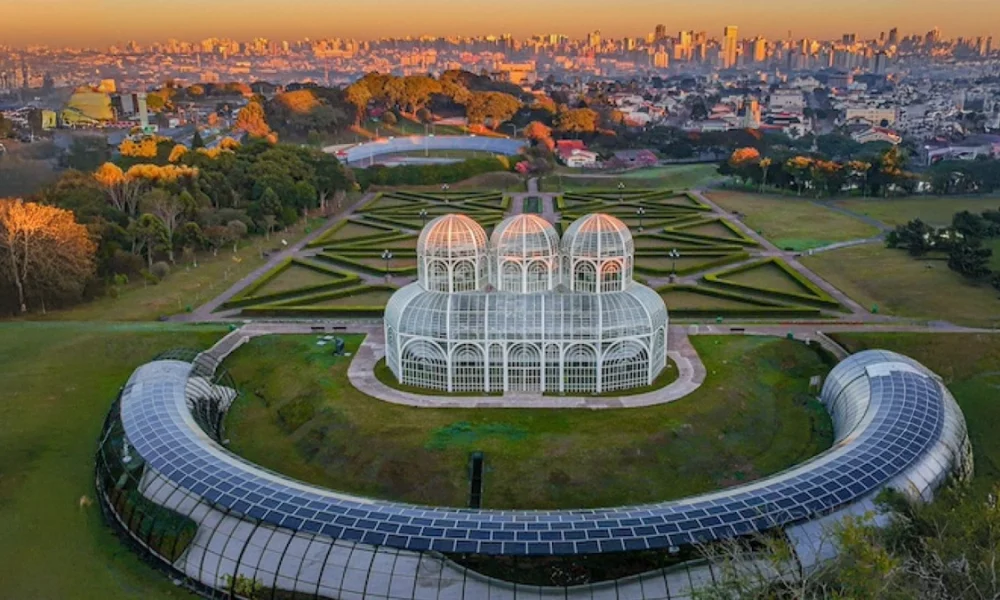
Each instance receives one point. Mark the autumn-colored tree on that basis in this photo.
(44, 252)
(798, 168)
(228, 143)
(495, 107)
(144, 148)
(252, 121)
(765, 166)
(358, 95)
(577, 120)
(744, 156)
(177, 153)
(540, 133)
(158, 174)
(122, 190)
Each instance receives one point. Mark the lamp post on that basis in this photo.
(621, 191)
(514, 127)
(444, 189)
(386, 256)
(674, 255)
(639, 212)
(423, 216)
(426, 141)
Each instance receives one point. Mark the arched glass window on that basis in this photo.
(538, 277)
(524, 367)
(424, 365)
(580, 369)
(437, 280)
(510, 280)
(391, 354)
(464, 276)
(552, 378)
(468, 369)
(584, 277)
(625, 365)
(611, 277)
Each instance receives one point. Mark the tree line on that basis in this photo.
(963, 242)
(88, 233)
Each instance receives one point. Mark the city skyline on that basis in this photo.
(91, 23)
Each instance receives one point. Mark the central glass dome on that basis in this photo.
(525, 255)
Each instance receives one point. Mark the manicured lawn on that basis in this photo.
(970, 367)
(293, 278)
(935, 210)
(790, 222)
(363, 298)
(675, 177)
(752, 417)
(58, 382)
(768, 276)
(906, 287)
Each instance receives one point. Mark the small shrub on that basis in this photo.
(160, 270)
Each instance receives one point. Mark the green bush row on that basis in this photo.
(307, 312)
(700, 237)
(331, 233)
(728, 259)
(250, 290)
(746, 239)
(777, 312)
(348, 281)
(303, 301)
(725, 295)
(818, 295)
(342, 261)
(368, 244)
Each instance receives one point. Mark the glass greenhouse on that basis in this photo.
(524, 312)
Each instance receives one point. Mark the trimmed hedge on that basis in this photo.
(786, 312)
(305, 301)
(294, 293)
(706, 291)
(721, 261)
(311, 312)
(818, 295)
(247, 292)
(343, 261)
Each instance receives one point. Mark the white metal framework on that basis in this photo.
(544, 317)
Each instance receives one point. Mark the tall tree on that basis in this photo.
(196, 140)
(252, 120)
(970, 259)
(122, 190)
(167, 208)
(43, 251)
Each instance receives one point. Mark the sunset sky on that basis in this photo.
(102, 22)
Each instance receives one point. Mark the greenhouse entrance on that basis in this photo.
(524, 368)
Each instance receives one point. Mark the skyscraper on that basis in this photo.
(893, 36)
(729, 43)
(759, 50)
(660, 32)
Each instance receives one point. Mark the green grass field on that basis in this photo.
(675, 177)
(59, 380)
(903, 286)
(753, 417)
(790, 222)
(935, 210)
(970, 367)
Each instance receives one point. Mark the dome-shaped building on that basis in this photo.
(525, 255)
(597, 254)
(546, 323)
(452, 255)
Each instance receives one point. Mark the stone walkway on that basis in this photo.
(691, 374)
(361, 373)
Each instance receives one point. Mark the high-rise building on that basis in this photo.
(660, 32)
(850, 39)
(881, 63)
(759, 50)
(730, 36)
(893, 36)
(661, 60)
(594, 39)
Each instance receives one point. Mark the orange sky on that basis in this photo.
(101, 22)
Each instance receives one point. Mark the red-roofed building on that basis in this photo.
(574, 153)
